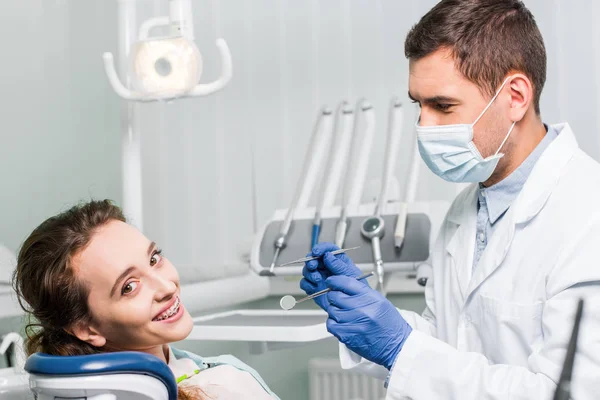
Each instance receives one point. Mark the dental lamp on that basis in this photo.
(165, 68)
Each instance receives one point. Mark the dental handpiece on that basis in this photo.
(341, 228)
(378, 262)
(354, 176)
(316, 230)
(279, 244)
(281, 240)
(373, 228)
(338, 150)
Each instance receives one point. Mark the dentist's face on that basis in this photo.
(133, 291)
(447, 97)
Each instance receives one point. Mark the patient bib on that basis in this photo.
(223, 377)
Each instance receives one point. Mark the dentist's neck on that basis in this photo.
(525, 137)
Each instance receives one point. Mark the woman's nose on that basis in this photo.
(163, 286)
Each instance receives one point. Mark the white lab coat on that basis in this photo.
(502, 333)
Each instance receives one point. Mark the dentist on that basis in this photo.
(517, 248)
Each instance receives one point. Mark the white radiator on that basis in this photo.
(328, 381)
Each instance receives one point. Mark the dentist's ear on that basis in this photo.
(520, 90)
(88, 334)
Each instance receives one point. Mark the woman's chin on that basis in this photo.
(187, 324)
(181, 329)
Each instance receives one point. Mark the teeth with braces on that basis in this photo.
(170, 312)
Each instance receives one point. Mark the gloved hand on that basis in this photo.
(315, 272)
(365, 321)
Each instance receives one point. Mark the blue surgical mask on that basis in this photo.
(449, 151)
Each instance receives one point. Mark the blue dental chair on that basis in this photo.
(105, 376)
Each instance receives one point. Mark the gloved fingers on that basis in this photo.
(308, 287)
(351, 316)
(342, 331)
(321, 248)
(342, 300)
(333, 311)
(337, 266)
(346, 284)
(312, 265)
(313, 276)
(333, 328)
(344, 258)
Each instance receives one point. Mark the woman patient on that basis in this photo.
(96, 284)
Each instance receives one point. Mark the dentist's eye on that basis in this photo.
(442, 107)
(129, 287)
(156, 257)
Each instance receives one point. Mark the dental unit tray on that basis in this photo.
(423, 222)
(264, 330)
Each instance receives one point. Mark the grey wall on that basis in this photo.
(59, 124)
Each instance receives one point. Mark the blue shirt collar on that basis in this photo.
(500, 196)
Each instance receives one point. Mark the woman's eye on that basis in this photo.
(129, 287)
(156, 257)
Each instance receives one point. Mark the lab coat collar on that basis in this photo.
(464, 204)
(545, 174)
(527, 205)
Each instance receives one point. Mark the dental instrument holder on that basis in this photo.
(423, 222)
(373, 229)
(303, 186)
(180, 21)
(269, 330)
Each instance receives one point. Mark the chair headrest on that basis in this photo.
(103, 364)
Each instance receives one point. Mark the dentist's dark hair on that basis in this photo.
(47, 287)
(488, 39)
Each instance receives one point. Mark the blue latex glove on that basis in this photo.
(315, 272)
(365, 321)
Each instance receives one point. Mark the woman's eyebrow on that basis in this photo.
(120, 278)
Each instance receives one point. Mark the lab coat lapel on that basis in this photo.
(461, 246)
(495, 251)
(528, 204)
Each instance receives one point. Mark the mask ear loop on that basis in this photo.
(491, 101)
(506, 138)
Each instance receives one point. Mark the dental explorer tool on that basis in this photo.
(338, 154)
(373, 228)
(353, 181)
(288, 302)
(281, 240)
(305, 259)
